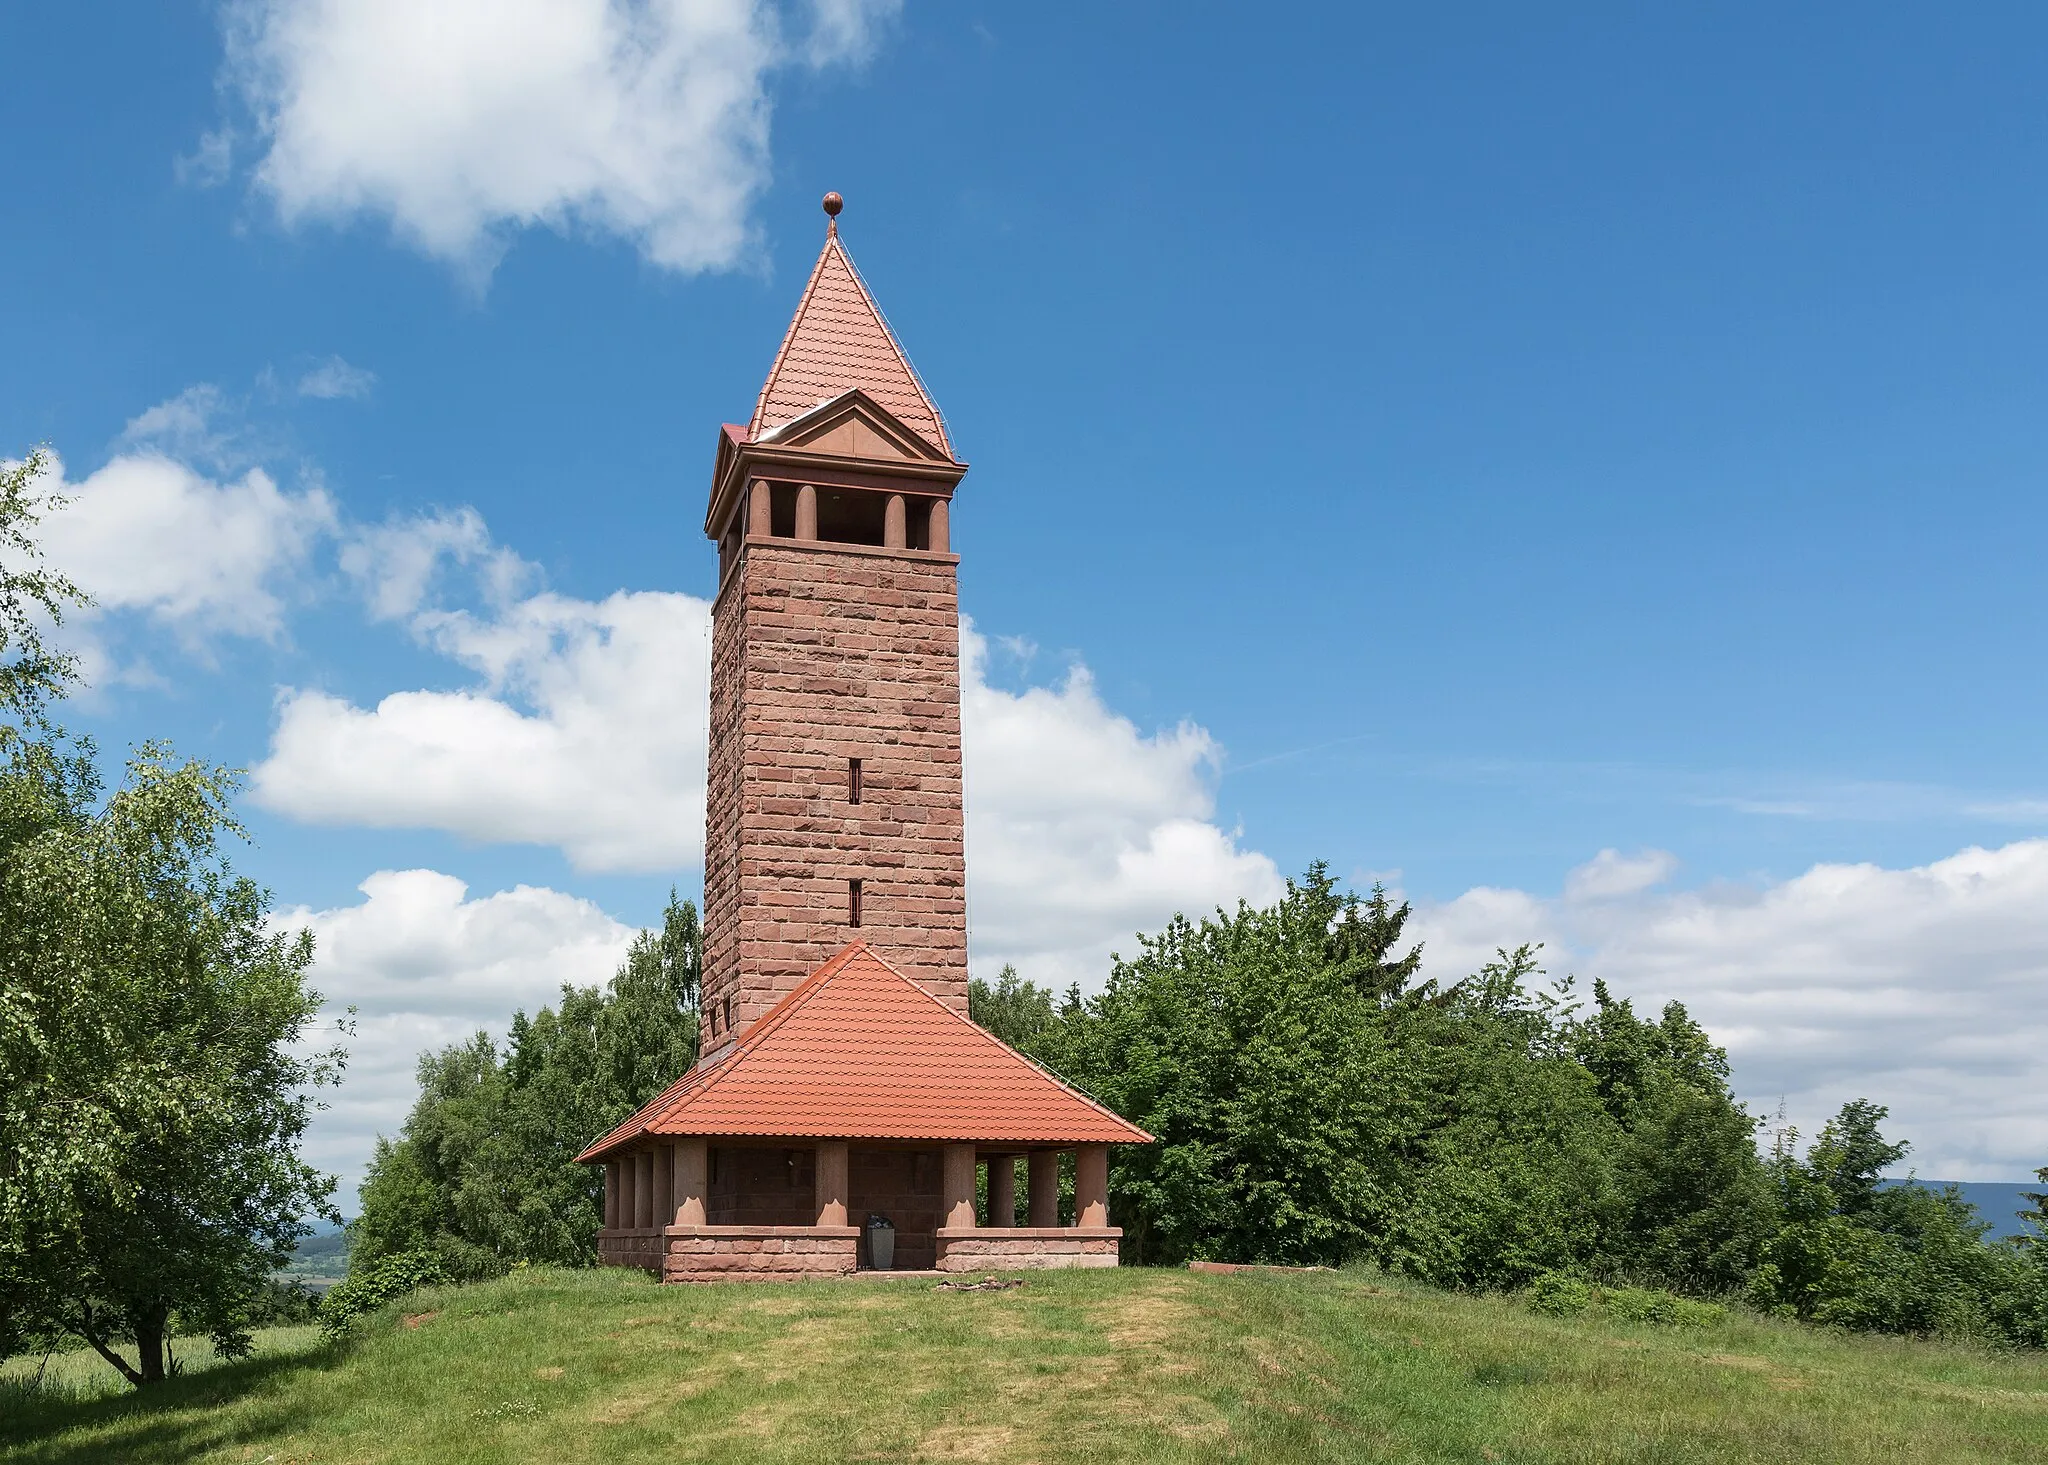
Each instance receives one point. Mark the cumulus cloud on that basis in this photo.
(586, 731)
(335, 378)
(427, 965)
(461, 121)
(1082, 830)
(196, 554)
(1611, 873)
(1919, 988)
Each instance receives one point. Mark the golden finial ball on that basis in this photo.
(833, 204)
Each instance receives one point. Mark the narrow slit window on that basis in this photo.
(853, 902)
(726, 1012)
(853, 780)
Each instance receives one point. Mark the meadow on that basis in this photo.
(1130, 1365)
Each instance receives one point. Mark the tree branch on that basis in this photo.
(84, 1329)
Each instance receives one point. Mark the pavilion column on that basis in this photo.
(1042, 1194)
(611, 1195)
(830, 1171)
(807, 512)
(643, 1188)
(895, 523)
(1091, 1185)
(957, 1209)
(1002, 1191)
(759, 522)
(935, 537)
(693, 1175)
(664, 1184)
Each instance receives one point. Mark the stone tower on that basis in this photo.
(834, 807)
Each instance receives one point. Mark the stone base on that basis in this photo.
(758, 1253)
(630, 1246)
(1021, 1248)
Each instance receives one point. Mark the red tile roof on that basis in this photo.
(839, 340)
(860, 1051)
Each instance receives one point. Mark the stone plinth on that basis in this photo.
(1024, 1248)
(758, 1253)
(630, 1246)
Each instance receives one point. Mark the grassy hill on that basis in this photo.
(1133, 1365)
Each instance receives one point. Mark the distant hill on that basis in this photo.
(1997, 1201)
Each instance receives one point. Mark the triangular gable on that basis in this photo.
(853, 425)
(859, 1051)
(839, 340)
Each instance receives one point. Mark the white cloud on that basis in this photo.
(461, 121)
(586, 731)
(335, 378)
(1611, 873)
(427, 966)
(1918, 988)
(196, 554)
(1081, 830)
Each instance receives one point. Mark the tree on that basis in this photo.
(1013, 1009)
(1696, 1204)
(152, 1090)
(152, 1093)
(32, 673)
(483, 1174)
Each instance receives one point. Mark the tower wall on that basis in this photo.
(823, 653)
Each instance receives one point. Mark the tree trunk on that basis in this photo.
(149, 1342)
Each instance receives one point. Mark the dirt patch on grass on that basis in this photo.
(548, 1373)
(966, 1442)
(419, 1319)
(1981, 1394)
(1144, 1322)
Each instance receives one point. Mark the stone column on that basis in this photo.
(611, 1195)
(759, 521)
(693, 1175)
(830, 1171)
(807, 512)
(1091, 1185)
(936, 536)
(1042, 1194)
(643, 1188)
(957, 1208)
(664, 1184)
(895, 524)
(1002, 1191)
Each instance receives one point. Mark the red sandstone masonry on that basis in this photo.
(1026, 1249)
(758, 1253)
(822, 653)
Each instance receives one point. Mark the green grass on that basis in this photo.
(1080, 1366)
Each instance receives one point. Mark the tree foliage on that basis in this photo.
(152, 1090)
(1317, 1100)
(482, 1176)
(153, 1086)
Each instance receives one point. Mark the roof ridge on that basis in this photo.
(945, 442)
(796, 321)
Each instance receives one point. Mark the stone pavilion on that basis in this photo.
(840, 1076)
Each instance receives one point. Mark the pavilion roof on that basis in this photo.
(859, 1051)
(837, 340)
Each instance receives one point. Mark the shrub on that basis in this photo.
(1559, 1294)
(376, 1284)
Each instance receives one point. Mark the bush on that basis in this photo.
(376, 1284)
(1559, 1294)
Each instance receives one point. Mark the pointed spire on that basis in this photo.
(839, 340)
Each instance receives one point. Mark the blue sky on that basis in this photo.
(1453, 444)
